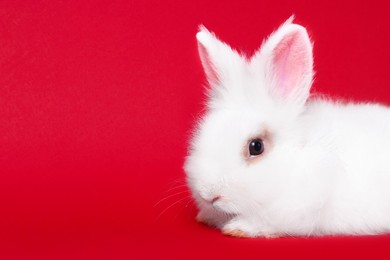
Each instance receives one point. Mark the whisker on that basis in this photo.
(182, 208)
(170, 196)
(173, 204)
(190, 201)
(177, 181)
(177, 187)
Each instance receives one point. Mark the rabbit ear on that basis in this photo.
(289, 63)
(217, 57)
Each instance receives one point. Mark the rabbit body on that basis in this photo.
(325, 168)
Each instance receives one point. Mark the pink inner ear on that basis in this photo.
(291, 61)
(208, 66)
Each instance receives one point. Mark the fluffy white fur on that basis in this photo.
(326, 165)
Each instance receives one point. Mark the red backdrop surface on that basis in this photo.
(97, 101)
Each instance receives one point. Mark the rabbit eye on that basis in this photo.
(256, 147)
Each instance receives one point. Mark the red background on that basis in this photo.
(97, 100)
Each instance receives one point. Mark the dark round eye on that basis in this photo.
(256, 147)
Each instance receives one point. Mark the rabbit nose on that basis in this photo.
(215, 199)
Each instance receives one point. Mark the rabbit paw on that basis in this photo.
(235, 233)
(240, 228)
(237, 228)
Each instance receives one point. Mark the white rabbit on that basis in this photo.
(266, 162)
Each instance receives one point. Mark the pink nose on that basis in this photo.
(214, 199)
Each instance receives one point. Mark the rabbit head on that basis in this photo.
(242, 152)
